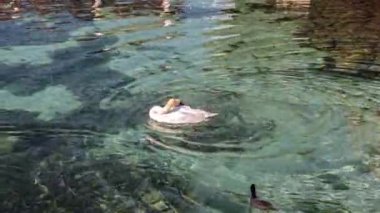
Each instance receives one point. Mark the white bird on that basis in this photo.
(174, 112)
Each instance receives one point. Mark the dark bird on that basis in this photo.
(258, 203)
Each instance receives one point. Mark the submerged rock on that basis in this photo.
(48, 103)
(6, 143)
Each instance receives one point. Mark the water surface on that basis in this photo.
(295, 86)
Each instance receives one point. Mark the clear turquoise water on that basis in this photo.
(297, 101)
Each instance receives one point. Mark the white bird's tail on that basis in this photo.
(209, 114)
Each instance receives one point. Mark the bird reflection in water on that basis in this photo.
(346, 29)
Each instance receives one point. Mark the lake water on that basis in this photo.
(295, 84)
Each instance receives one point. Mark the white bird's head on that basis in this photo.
(170, 105)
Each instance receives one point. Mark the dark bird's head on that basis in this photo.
(258, 203)
(253, 191)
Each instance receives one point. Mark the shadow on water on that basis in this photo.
(347, 30)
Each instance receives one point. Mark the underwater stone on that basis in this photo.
(48, 102)
(130, 203)
(340, 186)
(151, 197)
(329, 178)
(160, 206)
(27, 53)
(6, 143)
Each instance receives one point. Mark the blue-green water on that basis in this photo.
(296, 90)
